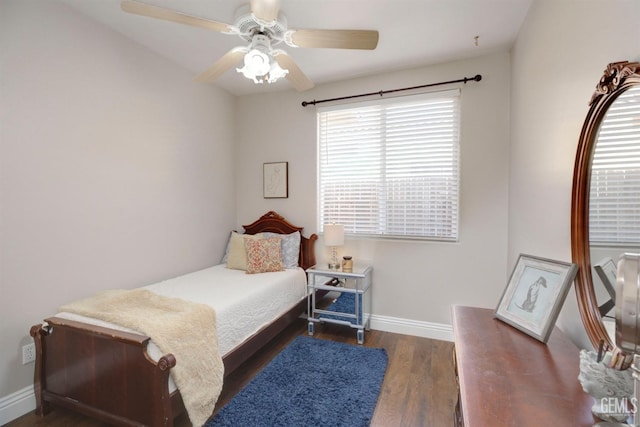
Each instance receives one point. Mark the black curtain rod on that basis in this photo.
(477, 78)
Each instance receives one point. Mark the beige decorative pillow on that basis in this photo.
(237, 258)
(264, 255)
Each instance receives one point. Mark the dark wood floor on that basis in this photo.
(419, 388)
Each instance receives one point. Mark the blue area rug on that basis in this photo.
(312, 382)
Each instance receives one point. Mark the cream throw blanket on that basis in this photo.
(185, 329)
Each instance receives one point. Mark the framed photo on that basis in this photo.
(275, 180)
(534, 295)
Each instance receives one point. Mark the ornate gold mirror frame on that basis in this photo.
(617, 78)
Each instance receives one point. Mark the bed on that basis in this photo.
(108, 373)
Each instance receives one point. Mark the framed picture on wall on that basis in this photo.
(275, 180)
(535, 294)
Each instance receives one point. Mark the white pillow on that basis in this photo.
(290, 248)
(237, 258)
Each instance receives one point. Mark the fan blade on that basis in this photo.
(295, 76)
(148, 10)
(336, 39)
(227, 61)
(266, 10)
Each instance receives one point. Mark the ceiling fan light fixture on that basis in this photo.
(262, 25)
(259, 64)
(256, 71)
(276, 72)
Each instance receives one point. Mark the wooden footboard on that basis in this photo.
(103, 373)
(108, 375)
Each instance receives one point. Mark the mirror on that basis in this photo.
(603, 224)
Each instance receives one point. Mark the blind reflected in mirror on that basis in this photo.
(614, 200)
(614, 197)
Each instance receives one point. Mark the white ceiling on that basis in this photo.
(413, 33)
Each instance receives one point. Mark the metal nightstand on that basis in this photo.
(353, 306)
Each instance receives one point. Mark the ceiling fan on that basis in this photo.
(262, 26)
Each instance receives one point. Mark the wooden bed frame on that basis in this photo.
(108, 375)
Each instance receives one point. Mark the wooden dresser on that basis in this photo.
(507, 378)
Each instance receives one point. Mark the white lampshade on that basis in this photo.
(333, 235)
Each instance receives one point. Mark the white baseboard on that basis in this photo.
(437, 331)
(17, 404)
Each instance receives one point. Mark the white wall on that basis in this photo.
(560, 54)
(115, 170)
(417, 281)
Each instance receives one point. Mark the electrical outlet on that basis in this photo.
(28, 353)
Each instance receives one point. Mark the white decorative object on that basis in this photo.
(602, 382)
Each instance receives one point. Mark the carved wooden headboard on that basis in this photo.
(272, 222)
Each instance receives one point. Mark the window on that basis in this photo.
(614, 199)
(390, 167)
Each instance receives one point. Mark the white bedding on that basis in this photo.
(243, 303)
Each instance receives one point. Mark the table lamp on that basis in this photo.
(334, 237)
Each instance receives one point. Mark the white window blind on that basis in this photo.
(390, 167)
(614, 200)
